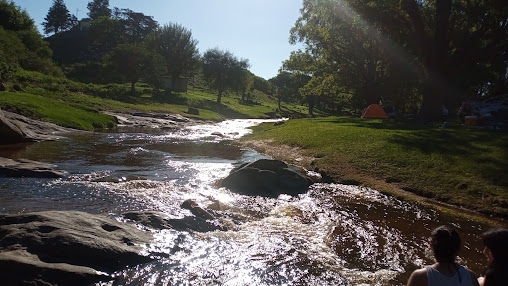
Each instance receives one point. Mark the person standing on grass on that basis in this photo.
(495, 243)
(445, 245)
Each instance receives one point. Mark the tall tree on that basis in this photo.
(223, 71)
(98, 8)
(176, 45)
(428, 52)
(341, 43)
(58, 18)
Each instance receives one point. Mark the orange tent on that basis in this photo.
(374, 111)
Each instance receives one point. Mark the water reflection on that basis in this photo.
(332, 235)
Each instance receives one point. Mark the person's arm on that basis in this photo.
(481, 281)
(418, 278)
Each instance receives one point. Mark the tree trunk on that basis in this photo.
(436, 87)
(433, 53)
(219, 97)
(133, 89)
(311, 102)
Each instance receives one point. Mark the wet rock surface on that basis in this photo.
(266, 178)
(28, 168)
(66, 247)
(150, 120)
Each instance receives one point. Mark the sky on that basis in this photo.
(257, 30)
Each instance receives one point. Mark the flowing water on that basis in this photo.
(332, 235)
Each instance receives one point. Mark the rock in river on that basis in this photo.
(266, 178)
(66, 248)
(28, 168)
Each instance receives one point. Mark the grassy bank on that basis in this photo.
(457, 165)
(73, 104)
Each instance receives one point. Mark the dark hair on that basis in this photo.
(497, 241)
(445, 243)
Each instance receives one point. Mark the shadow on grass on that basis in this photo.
(376, 123)
(485, 149)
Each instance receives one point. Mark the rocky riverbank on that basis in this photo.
(15, 128)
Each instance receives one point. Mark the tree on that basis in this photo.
(98, 8)
(343, 46)
(136, 25)
(176, 45)
(13, 18)
(287, 87)
(58, 18)
(131, 62)
(427, 52)
(21, 44)
(105, 34)
(223, 71)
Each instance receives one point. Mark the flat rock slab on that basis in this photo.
(28, 168)
(67, 247)
(150, 120)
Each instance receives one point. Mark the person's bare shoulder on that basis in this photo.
(418, 278)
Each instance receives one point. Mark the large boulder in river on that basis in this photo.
(266, 178)
(66, 247)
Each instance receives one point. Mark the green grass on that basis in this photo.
(43, 90)
(71, 115)
(458, 165)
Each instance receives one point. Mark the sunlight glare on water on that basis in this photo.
(331, 235)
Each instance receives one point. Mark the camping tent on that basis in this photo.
(374, 111)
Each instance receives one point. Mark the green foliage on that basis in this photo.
(287, 87)
(58, 18)
(176, 45)
(21, 45)
(10, 47)
(223, 71)
(131, 62)
(136, 26)
(262, 85)
(461, 166)
(98, 8)
(105, 34)
(415, 53)
(13, 18)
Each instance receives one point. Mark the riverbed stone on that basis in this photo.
(266, 178)
(28, 168)
(150, 120)
(66, 247)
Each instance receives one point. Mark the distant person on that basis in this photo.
(495, 243)
(465, 110)
(445, 245)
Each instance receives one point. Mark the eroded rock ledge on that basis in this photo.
(28, 168)
(15, 128)
(66, 248)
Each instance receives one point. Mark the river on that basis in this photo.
(332, 235)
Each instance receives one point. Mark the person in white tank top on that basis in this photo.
(445, 245)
